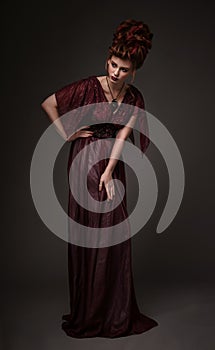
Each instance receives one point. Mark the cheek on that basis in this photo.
(110, 69)
(125, 75)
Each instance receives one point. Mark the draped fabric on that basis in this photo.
(101, 288)
(89, 91)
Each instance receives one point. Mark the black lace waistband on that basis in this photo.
(104, 130)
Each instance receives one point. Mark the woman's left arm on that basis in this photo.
(106, 177)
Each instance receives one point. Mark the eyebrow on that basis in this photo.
(120, 67)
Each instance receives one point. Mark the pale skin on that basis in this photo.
(119, 70)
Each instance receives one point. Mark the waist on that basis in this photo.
(104, 130)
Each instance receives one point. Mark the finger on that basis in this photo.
(86, 133)
(100, 185)
(108, 193)
(112, 187)
(84, 127)
(113, 190)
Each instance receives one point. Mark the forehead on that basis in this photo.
(120, 62)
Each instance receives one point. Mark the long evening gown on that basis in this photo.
(102, 295)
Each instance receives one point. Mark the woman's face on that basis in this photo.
(119, 70)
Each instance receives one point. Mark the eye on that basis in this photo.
(125, 70)
(113, 64)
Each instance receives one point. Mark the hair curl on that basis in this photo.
(132, 40)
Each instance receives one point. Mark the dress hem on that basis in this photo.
(150, 323)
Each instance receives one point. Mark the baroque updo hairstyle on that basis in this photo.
(132, 40)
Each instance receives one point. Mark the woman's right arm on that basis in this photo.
(49, 105)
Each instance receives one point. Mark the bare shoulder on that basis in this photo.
(101, 78)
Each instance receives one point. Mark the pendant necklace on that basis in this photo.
(114, 102)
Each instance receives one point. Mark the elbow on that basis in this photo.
(49, 103)
(43, 105)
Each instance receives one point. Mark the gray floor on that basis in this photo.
(32, 319)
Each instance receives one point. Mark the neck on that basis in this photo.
(115, 93)
(115, 88)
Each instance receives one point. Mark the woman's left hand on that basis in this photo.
(107, 181)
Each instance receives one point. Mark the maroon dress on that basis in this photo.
(102, 295)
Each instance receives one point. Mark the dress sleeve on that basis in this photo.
(69, 99)
(70, 96)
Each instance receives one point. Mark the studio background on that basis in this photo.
(46, 46)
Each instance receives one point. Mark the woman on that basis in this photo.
(102, 296)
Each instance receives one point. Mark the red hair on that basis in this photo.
(132, 40)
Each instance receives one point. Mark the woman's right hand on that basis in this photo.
(82, 132)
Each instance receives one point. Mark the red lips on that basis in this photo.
(113, 78)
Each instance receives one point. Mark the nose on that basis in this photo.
(116, 73)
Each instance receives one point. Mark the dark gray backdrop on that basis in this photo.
(47, 45)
